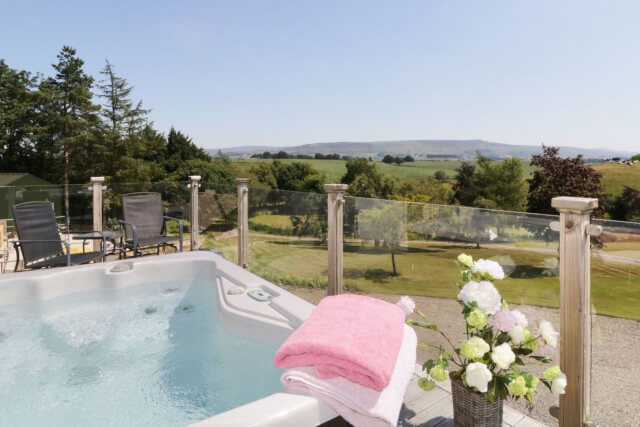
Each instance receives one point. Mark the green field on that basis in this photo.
(615, 176)
(335, 169)
(426, 268)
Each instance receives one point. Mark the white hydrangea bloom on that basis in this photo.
(484, 294)
(549, 335)
(407, 305)
(491, 268)
(478, 375)
(503, 356)
(558, 384)
(521, 319)
(517, 334)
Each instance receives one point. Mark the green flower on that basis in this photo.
(477, 319)
(518, 387)
(530, 341)
(438, 373)
(474, 348)
(551, 373)
(466, 260)
(534, 385)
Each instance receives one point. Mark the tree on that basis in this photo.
(558, 176)
(626, 207)
(17, 119)
(124, 122)
(408, 158)
(500, 184)
(181, 148)
(387, 159)
(72, 116)
(294, 176)
(464, 189)
(386, 224)
(320, 156)
(440, 175)
(398, 160)
(635, 157)
(365, 180)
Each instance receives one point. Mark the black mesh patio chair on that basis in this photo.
(39, 239)
(145, 225)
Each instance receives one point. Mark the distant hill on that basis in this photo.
(422, 149)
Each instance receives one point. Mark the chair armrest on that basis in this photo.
(133, 230)
(78, 236)
(179, 221)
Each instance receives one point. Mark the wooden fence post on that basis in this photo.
(194, 212)
(335, 201)
(243, 221)
(575, 306)
(96, 189)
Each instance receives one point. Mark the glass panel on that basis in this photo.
(79, 216)
(287, 237)
(397, 248)
(218, 215)
(615, 333)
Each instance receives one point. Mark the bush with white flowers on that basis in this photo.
(498, 346)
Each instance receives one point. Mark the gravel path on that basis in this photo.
(615, 366)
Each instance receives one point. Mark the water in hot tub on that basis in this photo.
(149, 355)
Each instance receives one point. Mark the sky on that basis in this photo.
(290, 72)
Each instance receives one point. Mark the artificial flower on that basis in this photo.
(549, 335)
(438, 373)
(477, 319)
(484, 294)
(478, 375)
(503, 320)
(407, 305)
(466, 260)
(551, 373)
(492, 268)
(474, 348)
(517, 334)
(503, 356)
(558, 384)
(521, 319)
(518, 386)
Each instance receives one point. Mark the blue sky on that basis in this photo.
(278, 72)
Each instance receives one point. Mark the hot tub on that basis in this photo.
(165, 341)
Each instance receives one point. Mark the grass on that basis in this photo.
(426, 268)
(335, 169)
(615, 176)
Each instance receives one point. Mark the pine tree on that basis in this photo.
(72, 118)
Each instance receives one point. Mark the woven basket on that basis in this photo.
(472, 409)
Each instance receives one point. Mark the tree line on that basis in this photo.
(67, 127)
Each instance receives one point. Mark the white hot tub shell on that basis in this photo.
(270, 321)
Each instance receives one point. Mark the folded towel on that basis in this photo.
(349, 336)
(361, 406)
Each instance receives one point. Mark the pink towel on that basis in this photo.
(350, 336)
(360, 406)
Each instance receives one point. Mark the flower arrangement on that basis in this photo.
(498, 346)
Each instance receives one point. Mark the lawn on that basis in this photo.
(335, 169)
(615, 176)
(427, 268)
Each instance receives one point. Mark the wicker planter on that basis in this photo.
(472, 409)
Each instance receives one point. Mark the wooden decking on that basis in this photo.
(435, 408)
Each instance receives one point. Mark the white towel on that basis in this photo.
(359, 405)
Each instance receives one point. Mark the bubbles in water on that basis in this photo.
(3, 336)
(150, 310)
(83, 374)
(169, 291)
(187, 308)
